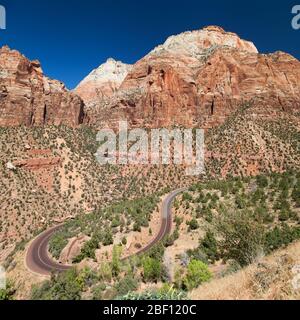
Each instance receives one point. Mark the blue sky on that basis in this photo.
(71, 38)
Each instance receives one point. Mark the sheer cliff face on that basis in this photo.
(103, 82)
(198, 78)
(29, 98)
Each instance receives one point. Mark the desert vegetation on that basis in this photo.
(242, 220)
(100, 227)
(106, 204)
(34, 198)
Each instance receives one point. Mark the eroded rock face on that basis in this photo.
(29, 98)
(196, 43)
(231, 78)
(38, 163)
(103, 82)
(199, 78)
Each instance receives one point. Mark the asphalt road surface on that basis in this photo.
(38, 260)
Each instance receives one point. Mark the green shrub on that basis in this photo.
(157, 252)
(7, 293)
(116, 262)
(187, 197)
(127, 284)
(108, 239)
(115, 223)
(88, 250)
(152, 269)
(281, 236)
(137, 227)
(241, 236)
(64, 286)
(105, 272)
(209, 246)
(193, 224)
(198, 254)
(284, 215)
(56, 244)
(97, 291)
(169, 241)
(197, 273)
(262, 214)
(262, 181)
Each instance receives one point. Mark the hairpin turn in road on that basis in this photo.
(38, 260)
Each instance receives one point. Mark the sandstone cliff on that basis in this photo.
(27, 97)
(199, 78)
(196, 79)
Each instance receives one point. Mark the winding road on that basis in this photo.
(38, 260)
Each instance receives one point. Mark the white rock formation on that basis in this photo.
(103, 81)
(195, 43)
(111, 70)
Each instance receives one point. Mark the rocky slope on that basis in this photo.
(103, 82)
(199, 78)
(271, 278)
(27, 97)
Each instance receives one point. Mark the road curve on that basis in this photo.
(37, 257)
(166, 222)
(38, 260)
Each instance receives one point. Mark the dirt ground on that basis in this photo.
(22, 278)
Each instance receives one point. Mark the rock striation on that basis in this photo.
(194, 79)
(29, 98)
(199, 78)
(37, 163)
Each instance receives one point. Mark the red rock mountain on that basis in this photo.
(29, 98)
(198, 78)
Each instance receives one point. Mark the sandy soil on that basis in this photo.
(22, 278)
